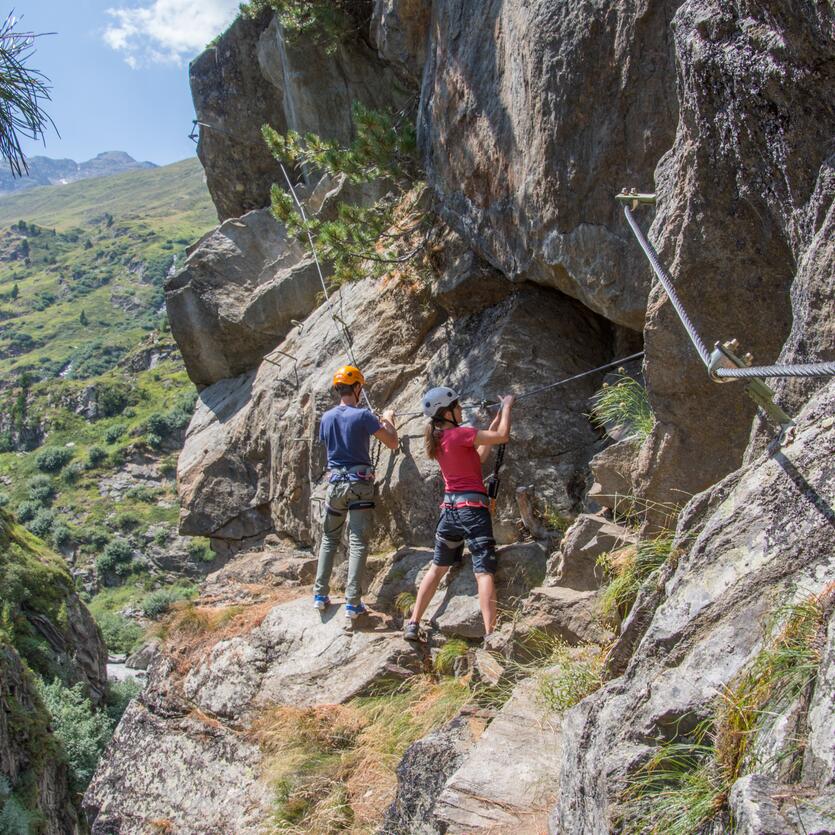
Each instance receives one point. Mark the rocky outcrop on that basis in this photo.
(770, 533)
(508, 779)
(743, 216)
(400, 29)
(36, 775)
(238, 295)
(186, 772)
(251, 458)
(254, 76)
(532, 116)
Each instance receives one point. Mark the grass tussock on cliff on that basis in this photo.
(686, 782)
(333, 766)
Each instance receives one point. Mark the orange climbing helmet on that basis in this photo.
(348, 375)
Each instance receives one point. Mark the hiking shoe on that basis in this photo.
(411, 631)
(321, 602)
(354, 611)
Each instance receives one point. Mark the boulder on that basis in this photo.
(252, 463)
(514, 90)
(297, 656)
(744, 224)
(563, 613)
(187, 771)
(400, 29)
(242, 287)
(763, 541)
(142, 658)
(575, 564)
(423, 772)
(509, 778)
(611, 470)
(253, 575)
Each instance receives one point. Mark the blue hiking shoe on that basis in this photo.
(352, 611)
(321, 602)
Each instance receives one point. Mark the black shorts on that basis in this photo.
(472, 525)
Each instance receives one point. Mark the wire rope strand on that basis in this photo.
(814, 369)
(669, 287)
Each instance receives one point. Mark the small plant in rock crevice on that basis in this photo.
(685, 783)
(628, 569)
(623, 406)
(447, 655)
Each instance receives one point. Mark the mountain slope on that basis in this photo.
(168, 192)
(44, 171)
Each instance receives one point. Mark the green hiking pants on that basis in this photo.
(354, 501)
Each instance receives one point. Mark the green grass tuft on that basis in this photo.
(624, 406)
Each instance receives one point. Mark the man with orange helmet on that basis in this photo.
(346, 431)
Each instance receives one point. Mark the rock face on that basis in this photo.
(508, 779)
(188, 770)
(744, 223)
(526, 136)
(400, 28)
(252, 77)
(237, 296)
(28, 750)
(769, 533)
(251, 453)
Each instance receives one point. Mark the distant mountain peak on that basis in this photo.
(45, 171)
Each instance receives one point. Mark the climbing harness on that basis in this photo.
(723, 364)
(493, 481)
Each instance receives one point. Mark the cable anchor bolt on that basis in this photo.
(634, 197)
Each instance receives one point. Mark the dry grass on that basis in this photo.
(333, 766)
(191, 631)
(685, 784)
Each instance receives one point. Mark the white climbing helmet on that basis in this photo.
(437, 398)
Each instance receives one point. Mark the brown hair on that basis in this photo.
(432, 434)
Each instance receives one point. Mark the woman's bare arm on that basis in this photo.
(500, 435)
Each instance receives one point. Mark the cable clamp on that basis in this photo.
(634, 198)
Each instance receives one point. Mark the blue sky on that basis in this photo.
(119, 71)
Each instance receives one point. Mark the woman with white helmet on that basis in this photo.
(465, 512)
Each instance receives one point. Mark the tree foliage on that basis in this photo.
(360, 240)
(23, 92)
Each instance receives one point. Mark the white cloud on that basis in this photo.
(167, 31)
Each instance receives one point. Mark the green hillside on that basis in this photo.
(94, 398)
(173, 193)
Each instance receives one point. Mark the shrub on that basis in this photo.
(27, 510)
(159, 602)
(126, 521)
(6, 442)
(14, 818)
(61, 535)
(116, 557)
(201, 549)
(41, 489)
(96, 456)
(82, 731)
(53, 459)
(113, 433)
(121, 634)
(142, 494)
(70, 474)
(4, 499)
(119, 695)
(41, 522)
(112, 398)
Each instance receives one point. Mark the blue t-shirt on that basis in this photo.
(347, 431)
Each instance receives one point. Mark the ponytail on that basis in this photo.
(432, 432)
